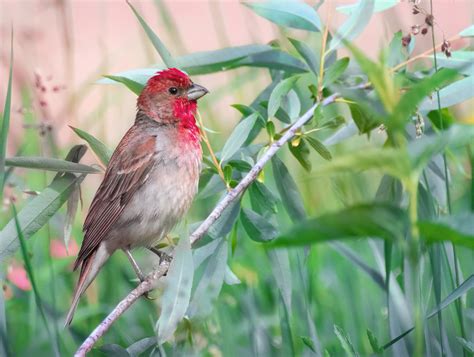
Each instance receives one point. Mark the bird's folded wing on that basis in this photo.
(127, 171)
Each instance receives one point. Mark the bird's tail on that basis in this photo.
(89, 269)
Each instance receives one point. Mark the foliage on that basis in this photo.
(378, 203)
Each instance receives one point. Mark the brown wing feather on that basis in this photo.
(127, 171)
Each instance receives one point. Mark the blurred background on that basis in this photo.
(62, 48)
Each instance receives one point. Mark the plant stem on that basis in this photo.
(323, 55)
(217, 165)
(446, 181)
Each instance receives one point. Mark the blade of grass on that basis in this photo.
(446, 181)
(29, 271)
(155, 40)
(6, 122)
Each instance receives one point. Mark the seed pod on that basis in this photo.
(424, 31)
(429, 20)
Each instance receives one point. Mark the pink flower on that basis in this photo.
(58, 249)
(16, 273)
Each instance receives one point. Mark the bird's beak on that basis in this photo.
(196, 91)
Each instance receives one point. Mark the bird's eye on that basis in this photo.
(173, 90)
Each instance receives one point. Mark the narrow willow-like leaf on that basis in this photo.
(319, 147)
(379, 6)
(49, 164)
(280, 90)
(261, 198)
(155, 40)
(335, 71)
(100, 149)
(292, 14)
(257, 227)
(179, 282)
(137, 348)
(452, 94)
(413, 97)
(286, 186)
(72, 204)
(307, 53)
(462, 61)
(238, 137)
(37, 213)
(210, 285)
(355, 24)
(135, 87)
(457, 229)
(361, 221)
(280, 263)
(6, 121)
(468, 32)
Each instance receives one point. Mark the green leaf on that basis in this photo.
(31, 276)
(354, 25)
(441, 119)
(307, 53)
(308, 342)
(286, 186)
(278, 93)
(222, 60)
(365, 120)
(38, 211)
(280, 263)
(423, 149)
(379, 6)
(462, 289)
(6, 121)
(177, 294)
(345, 341)
(49, 164)
(450, 95)
(319, 147)
(238, 137)
(225, 222)
(335, 71)
(100, 149)
(468, 32)
(301, 153)
(467, 345)
(462, 61)
(292, 14)
(458, 229)
(210, 285)
(261, 198)
(137, 348)
(413, 97)
(155, 40)
(135, 87)
(374, 342)
(363, 221)
(258, 228)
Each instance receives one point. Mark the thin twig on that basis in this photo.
(156, 274)
(205, 138)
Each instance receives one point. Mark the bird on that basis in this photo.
(150, 181)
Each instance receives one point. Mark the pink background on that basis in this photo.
(70, 44)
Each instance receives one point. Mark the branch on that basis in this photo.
(156, 274)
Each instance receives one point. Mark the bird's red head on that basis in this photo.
(170, 96)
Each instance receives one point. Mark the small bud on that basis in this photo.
(415, 30)
(43, 103)
(424, 31)
(429, 20)
(415, 11)
(406, 40)
(448, 53)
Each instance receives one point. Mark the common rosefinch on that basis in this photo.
(151, 178)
